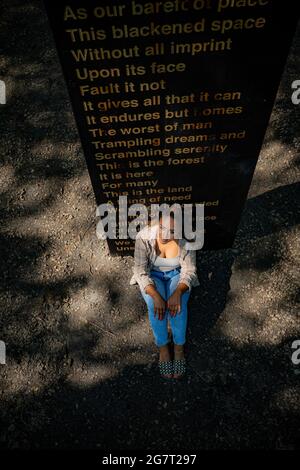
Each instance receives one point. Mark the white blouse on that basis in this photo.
(165, 264)
(144, 257)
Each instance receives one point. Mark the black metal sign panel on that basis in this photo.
(172, 99)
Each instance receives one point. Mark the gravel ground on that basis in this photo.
(81, 366)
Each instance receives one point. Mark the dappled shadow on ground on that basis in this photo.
(239, 400)
(68, 390)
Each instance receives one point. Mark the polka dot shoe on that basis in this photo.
(179, 367)
(165, 368)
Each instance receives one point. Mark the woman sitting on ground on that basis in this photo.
(165, 270)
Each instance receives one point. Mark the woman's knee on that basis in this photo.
(148, 299)
(160, 287)
(185, 296)
(173, 284)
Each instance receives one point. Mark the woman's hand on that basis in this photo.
(159, 302)
(159, 306)
(173, 302)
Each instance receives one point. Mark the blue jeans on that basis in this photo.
(166, 282)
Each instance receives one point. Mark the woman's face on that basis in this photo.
(166, 233)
